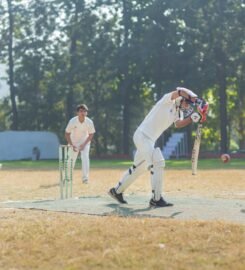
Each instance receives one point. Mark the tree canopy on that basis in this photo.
(119, 57)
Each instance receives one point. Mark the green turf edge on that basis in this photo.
(203, 164)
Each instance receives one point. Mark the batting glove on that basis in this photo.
(203, 111)
(196, 117)
(201, 115)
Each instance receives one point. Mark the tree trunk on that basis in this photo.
(70, 95)
(159, 93)
(125, 85)
(96, 118)
(241, 129)
(126, 125)
(221, 78)
(241, 121)
(11, 68)
(73, 59)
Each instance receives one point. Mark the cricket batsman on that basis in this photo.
(175, 107)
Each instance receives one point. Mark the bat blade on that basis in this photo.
(196, 148)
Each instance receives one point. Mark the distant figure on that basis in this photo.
(79, 133)
(171, 108)
(36, 153)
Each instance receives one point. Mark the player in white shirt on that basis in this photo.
(171, 108)
(79, 133)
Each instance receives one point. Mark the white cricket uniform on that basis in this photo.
(79, 133)
(161, 117)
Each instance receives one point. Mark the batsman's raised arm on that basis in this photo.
(185, 100)
(185, 93)
(183, 123)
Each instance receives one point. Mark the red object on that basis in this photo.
(225, 158)
(203, 110)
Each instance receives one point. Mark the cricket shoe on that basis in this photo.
(116, 196)
(85, 181)
(160, 203)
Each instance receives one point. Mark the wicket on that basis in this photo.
(66, 172)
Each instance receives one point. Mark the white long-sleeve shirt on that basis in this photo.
(163, 114)
(80, 131)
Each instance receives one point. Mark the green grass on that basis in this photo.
(204, 164)
(207, 164)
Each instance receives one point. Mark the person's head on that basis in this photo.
(185, 105)
(82, 110)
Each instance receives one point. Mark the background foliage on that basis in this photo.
(119, 57)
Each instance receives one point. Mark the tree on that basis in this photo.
(15, 122)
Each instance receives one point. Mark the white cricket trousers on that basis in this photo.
(145, 148)
(143, 160)
(84, 158)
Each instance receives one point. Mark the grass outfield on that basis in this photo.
(203, 164)
(31, 239)
(58, 241)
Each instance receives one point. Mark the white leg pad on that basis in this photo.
(85, 162)
(130, 176)
(157, 173)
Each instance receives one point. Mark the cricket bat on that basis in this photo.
(196, 148)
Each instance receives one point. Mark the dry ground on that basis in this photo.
(30, 185)
(44, 240)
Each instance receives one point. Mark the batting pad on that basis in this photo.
(130, 176)
(157, 173)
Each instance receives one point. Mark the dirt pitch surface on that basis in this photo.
(56, 240)
(184, 208)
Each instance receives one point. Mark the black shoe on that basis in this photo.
(85, 181)
(160, 203)
(114, 195)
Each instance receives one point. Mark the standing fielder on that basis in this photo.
(79, 133)
(171, 108)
